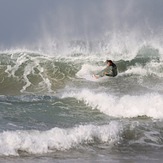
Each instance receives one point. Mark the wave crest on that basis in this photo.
(126, 106)
(37, 142)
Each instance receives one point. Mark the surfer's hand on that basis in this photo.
(95, 76)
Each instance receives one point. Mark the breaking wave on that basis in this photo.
(40, 142)
(127, 106)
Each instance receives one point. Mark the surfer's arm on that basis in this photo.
(95, 76)
(112, 73)
(108, 72)
(101, 73)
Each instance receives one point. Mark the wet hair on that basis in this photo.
(109, 61)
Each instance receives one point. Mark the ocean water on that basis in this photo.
(53, 110)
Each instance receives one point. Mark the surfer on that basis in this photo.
(110, 70)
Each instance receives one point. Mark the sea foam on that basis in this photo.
(39, 142)
(150, 105)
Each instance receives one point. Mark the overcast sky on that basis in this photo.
(25, 21)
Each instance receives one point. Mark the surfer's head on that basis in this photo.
(109, 62)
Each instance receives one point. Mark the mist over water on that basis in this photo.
(52, 25)
(100, 26)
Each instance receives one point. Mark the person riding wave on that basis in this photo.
(110, 70)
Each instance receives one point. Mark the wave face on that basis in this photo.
(52, 106)
(29, 72)
(33, 73)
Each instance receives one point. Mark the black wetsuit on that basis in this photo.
(113, 70)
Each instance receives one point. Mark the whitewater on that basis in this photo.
(52, 107)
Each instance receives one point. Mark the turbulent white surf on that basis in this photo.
(41, 142)
(128, 106)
